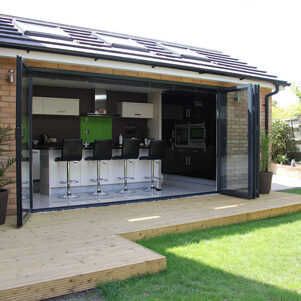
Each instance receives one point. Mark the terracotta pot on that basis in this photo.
(265, 182)
(3, 205)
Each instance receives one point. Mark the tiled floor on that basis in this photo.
(170, 188)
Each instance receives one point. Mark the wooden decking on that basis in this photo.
(57, 253)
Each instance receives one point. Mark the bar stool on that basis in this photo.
(130, 150)
(71, 151)
(102, 151)
(157, 150)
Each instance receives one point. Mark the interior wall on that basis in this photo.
(155, 124)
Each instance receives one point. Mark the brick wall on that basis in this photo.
(8, 117)
(8, 102)
(285, 171)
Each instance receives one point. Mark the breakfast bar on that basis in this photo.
(52, 172)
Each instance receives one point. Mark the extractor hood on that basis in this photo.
(100, 104)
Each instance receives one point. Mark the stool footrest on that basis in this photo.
(126, 178)
(71, 181)
(101, 179)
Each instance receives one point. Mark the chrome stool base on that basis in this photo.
(68, 196)
(98, 193)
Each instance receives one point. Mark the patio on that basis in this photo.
(61, 252)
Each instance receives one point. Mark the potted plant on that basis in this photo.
(265, 177)
(5, 163)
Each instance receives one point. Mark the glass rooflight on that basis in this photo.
(46, 31)
(186, 53)
(124, 43)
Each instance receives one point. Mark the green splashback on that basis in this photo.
(99, 127)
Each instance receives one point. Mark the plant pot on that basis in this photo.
(265, 182)
(3, 205)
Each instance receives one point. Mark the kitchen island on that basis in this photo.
(52, 172)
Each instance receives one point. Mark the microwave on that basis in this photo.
(190, 135)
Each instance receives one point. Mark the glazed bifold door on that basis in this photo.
(24, 142)
(238, 141)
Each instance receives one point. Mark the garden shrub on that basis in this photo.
(279, 136)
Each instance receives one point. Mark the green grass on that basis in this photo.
(294, 191)
(258, 260)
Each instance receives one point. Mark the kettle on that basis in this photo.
(45, 139)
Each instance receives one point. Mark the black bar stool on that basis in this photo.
(130, 150)
(102, 151)
(71, 151)
(157, 150)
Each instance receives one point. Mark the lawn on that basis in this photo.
(258, 260)
(294, 191)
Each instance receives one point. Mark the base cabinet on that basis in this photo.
(190, 162)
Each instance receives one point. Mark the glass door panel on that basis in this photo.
(24, 142)
(237, 134)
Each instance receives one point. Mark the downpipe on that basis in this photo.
(267, 106)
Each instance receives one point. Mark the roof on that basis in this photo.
(27, 34)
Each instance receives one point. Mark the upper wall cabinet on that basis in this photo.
(135, 110)
(55, 106)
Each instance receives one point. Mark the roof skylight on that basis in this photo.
(186, 53)
(47, 31)
(124, 43)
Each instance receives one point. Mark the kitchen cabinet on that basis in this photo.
(37, 105)
(135, 110)
(172, 112)
(55, 106)
(190, 162)
(36, 164)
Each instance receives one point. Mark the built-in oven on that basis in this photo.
(190, 135)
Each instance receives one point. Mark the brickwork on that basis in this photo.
(235, 152)
(8, 101)
(8, 117)
(285, 171)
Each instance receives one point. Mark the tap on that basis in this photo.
(86, 142)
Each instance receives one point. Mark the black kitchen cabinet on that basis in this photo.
(181, 107)
(188, 162)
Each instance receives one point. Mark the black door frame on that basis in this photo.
(253, 141)
(22, 214)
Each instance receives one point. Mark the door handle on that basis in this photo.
(188, 112)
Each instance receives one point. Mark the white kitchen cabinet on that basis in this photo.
(36, 164)
(89, 169)
(135, 110)
(55, 106)
(37, 105)
(53, 172)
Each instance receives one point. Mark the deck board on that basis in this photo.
(57, 253)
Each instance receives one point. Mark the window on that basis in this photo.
(186, 53)
(124, 43)
(46, 31)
